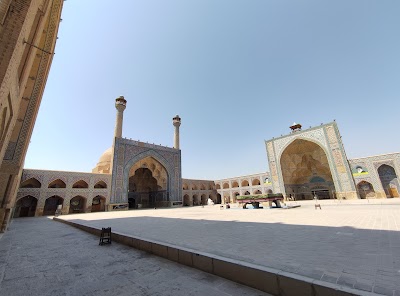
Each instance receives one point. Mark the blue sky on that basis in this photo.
(237, 72)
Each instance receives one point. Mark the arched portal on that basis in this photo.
(77, 205)
(305, 170)
(148, 187)
(219, 198)
(51, 204)
(235, 195)
(99, 204)
(389, 180)
(366, 190)
(204, 199)
(196, 200)
(25, 207)
(186, 200)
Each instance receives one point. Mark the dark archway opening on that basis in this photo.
(365, 190)
(26, 207)
(51, 204)
(219, 199)
(77, 205)
(389, 180)
(98, 204)
(144, 192)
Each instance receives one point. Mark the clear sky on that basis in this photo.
(238, 72)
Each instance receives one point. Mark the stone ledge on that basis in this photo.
(269, 280)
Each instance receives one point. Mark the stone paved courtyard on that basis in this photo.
(350, 243)
(40, 257)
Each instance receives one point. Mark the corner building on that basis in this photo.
(313, 162)
(28, 34)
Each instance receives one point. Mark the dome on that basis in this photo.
(105, 157)
(103, 166)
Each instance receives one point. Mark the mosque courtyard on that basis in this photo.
(354, 243)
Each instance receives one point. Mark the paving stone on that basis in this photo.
(65, 261)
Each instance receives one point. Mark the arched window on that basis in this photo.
(255, 182)
(226, 185)
(235, 184)
(218, 186)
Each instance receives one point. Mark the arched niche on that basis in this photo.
(147, 188)
(365, 190)
(305, 171)
(77, 205)
(51, 204)
(58, 183)
(25, 207)
(80, 184)
(98, 204)
(389, 180)
(100, 185)
(31, 183)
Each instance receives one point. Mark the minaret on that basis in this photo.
(120, 104)
(176, 121)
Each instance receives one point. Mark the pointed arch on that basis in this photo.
(98, 204)
(235, 184)
(366, 190)
(204, 199)
(255, 182)
(100, 185)
(31, 183)
(389, 180)
(168, 179)
(58, 183)
(51, 204)
(245, 183)
(304, 166)
(80, 184)
(186, 201)
(25, 206)
(77, 205)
